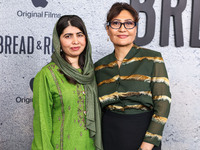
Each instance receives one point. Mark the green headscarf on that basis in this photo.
(87, 78)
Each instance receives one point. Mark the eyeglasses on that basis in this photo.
(117, 24)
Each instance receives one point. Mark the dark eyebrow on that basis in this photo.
(129, 20)
(79, 33)
(67, 34)
(116, 20)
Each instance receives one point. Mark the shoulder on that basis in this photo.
(105, 60)
(47, 69)
(45, 77)
(148, 52)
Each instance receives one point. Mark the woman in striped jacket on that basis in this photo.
(133, 87)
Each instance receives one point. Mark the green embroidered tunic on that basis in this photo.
(139, 85)
(59, 113)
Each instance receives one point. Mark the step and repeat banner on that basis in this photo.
(171, 27)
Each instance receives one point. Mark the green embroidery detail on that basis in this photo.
(62, 106)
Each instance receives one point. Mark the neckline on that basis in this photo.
(129, 55)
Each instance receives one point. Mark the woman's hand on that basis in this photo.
(146, 146)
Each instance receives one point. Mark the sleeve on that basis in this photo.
(161, 97)
(42, 120)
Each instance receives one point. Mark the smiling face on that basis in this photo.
(73, 42)
(122, 37)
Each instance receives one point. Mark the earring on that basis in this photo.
(108, 39)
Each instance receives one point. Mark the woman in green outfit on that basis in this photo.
(66, 109)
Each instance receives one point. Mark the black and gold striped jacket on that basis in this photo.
(140, 84)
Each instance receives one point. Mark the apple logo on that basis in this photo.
(39, 3)
(31, 84)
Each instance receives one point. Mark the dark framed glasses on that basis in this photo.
(118, 24)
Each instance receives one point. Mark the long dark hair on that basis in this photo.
(76, 21)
